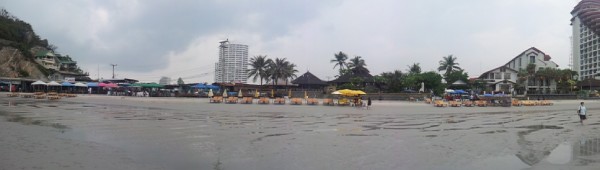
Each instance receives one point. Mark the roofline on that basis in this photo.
(487, 72)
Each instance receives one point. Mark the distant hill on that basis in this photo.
(23, 54)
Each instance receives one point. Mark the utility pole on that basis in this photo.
(113, 65)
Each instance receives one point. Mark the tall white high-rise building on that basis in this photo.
(586, 43)
(233, 63)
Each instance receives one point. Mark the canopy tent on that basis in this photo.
(53, 83)
(200, 86)
(66, 84)
(147, 85)
(458, 92)
(213, 87)
(39, 82)
(80, 85)
(90, 84)
(108, 85)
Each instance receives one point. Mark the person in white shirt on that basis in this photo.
(582, 113)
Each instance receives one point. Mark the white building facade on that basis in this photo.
(504, 78)
(586, 43)
(233, 63)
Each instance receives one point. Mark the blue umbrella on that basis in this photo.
(488, 95)
(459, 91)
(200, 86)
(92, 84)
(66, 84)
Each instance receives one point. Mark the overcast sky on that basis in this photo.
(149, 39)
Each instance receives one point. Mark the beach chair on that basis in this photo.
(13, 94)
(468, 103)
(263, 100)
(455, 103)
(481, 103)
(232, 100)
(27, 95)
(546, 103)
(296, 101)
(53, 96)
(343, 102)
(328, 102)
(440, 103)
(279, 101)
(516, 102)
(216, 99)
(246, 100)
(312, 101)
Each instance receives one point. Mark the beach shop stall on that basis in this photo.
(149, 89)
(39, 86)
(80, 88)
(67, 87)
(93, 88)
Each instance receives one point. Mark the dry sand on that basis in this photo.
(105, 132)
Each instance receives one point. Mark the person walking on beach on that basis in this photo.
(368, 103)
(582, 113)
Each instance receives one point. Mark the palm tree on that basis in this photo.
(530, 70)
(358, 66)
(289, 72)
(414, 69)
(448, 64)
(258, 68)
(276, 69)
(340, 61)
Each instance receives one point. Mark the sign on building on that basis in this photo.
(70, 79)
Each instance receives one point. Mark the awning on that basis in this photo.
(53, 83)
(39, 82)
(67, 84)
(148, 85)
(80, 85)
(92, 84)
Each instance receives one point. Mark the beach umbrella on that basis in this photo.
(290, 93)
(272, 93)
(80, 85)
(240, 93)
(346, 92)
(358, 92)
(210, 93)
(305, 94)
(224, 92)
(256, 94)
(38, 83)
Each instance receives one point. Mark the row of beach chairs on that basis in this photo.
(281, 101)
(483, 103)
(42, 95)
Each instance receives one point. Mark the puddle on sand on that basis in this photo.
(562, 154)
(499, 162)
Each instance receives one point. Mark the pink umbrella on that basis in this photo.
(101, 84)
(111, 85)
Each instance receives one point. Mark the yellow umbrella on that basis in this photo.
(305, 94)
(346, 92)
(210, 93)
(358, 92)
(272, 93)
(256, 93)
(290, 93)
(240, 93)
(224, 92)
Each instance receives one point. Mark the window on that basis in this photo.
(520, 62)
(531, 59)
(507, 76)
(498, 76)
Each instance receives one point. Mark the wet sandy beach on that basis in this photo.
(102, 132)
